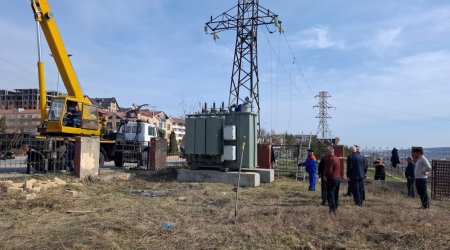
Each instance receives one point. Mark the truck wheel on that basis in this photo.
(101, 160)
(118, 159)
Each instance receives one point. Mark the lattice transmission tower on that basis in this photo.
(245, 18)
(323, 132)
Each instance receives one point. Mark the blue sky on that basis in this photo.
(386, 63)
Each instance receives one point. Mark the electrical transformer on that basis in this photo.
(215, 139)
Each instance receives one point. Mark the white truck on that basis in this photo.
(131, 144)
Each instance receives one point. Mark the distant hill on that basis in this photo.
(439, 153)
(442, 153)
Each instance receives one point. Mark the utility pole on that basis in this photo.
(323, 116)
(245, 18)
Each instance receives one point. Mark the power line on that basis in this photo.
(298, 66)
(17, 65)
(286, 71)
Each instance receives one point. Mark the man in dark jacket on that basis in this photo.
(34, 159)
(333, 178)
(355, 173)
(69, 155)
(395, 160)
(323, 183)
(380, 172)
(410, 178)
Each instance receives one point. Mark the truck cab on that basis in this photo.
(137, 131)
(132, 143)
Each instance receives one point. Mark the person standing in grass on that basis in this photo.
(410, 178)
(310, 167)
(323, 183)
(333, 180)
(366, 167)
(380, 172)
(421, 172)
(356, 173)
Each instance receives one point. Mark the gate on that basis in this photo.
(287, 158)
(440, 183)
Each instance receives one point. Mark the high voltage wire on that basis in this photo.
(285, 70)
(361, 104)
(298, 66)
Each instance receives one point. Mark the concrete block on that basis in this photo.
(35, 190)
(30, 196)
(59, 181)
(109, 175)
(87, 153)
(51, 185)
(266, 175)
(248, 179)
(14, 190)
(43, 187)
(29, 183)
(72, 192)
(16, 185)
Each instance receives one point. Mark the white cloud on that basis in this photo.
(385, 40)
(317, 38)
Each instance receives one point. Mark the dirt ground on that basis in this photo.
(281, 215)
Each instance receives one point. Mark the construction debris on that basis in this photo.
(32, 186)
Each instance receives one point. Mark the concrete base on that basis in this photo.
(87, 152)
(110, 174)
(265, 175)
(248, 179)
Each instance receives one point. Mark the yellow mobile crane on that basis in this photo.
(73, 114)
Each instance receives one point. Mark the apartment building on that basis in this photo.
(107, 104)
(21, 120)
(160, 119)
(179, 128)
(23, 98)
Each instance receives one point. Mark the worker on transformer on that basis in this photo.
(310, 167)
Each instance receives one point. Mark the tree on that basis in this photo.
(290, 139)
(161, 133)
(2, 125)
(173, 145)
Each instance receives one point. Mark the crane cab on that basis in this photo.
(68, 115)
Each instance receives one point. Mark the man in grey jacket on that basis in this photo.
(421, 172)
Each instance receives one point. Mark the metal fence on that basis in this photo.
(175, 160)
(39, 155)
(288, 158)
(130, 155)
(138, 155)
(50, 155)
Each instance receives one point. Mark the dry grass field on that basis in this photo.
(282, 215)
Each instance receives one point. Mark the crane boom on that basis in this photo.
(73, 114)
(44, 16)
